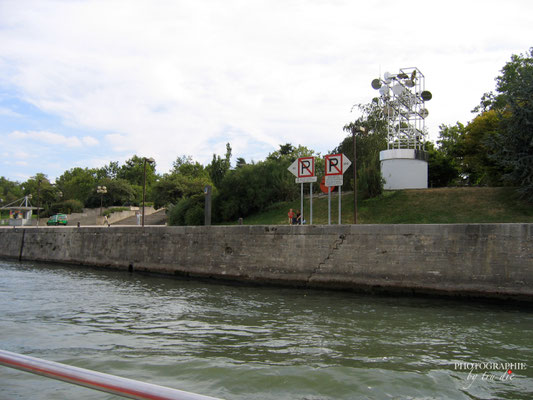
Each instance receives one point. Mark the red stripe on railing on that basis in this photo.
(95, 380)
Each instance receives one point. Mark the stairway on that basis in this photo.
(157, 218)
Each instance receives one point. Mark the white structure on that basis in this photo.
(403, 97)
(404, 169)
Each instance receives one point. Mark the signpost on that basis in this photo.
(336, 166)
(304, 170)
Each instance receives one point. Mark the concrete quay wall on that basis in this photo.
(480, 260)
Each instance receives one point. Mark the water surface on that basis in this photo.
(239, 342)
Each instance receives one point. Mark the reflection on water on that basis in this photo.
(239, 342)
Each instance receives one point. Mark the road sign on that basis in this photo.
(333, 180)
(336, 164)
(304, 170)
(309, 179)
(303, 167)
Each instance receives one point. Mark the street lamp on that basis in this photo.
(359, 129)
(148, 160)
(102, 190)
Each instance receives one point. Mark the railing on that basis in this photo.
(95, 380)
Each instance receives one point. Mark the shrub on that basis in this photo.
(66, 207)
(188, 211)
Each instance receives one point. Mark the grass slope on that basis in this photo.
(422, 206)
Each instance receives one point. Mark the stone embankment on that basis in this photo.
(479, 260)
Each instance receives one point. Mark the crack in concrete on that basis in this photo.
(336, 245)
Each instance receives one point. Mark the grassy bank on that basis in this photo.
(423, 206)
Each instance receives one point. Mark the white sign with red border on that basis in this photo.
(336, 166)
(304, 169)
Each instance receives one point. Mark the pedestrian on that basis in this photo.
(298, 217)
(291, 216)
(295, 217)
(106, 220)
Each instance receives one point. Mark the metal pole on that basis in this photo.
(340, 195)
(311, 203)
(301, 202)
(95, 380)
(101, 201)
(354, 166)
(144, 189)
(329, 205)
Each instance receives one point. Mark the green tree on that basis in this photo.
(133, 172)
(77, 183)
(188, 211)
(119, 193)
(186, 166)
(513, 147)
(9, 191)
(478, 161)
(370, 131)
(171, 188)
(111, 171)
(254, 187)
(219, 166)
(441, 169)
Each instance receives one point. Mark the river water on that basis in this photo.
(238, 342)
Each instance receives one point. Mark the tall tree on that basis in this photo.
(369, 142)
(513, 147)
(9, 191)
(219, 166)
(77, 183)
(133, 170)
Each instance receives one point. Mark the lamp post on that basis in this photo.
(360, 129)
(148, 160)
(102, 190)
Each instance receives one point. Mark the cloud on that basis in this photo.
(171, 78)
(54, 138)
(9, 113)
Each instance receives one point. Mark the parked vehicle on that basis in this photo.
(58, 219)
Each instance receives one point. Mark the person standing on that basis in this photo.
(291, 215)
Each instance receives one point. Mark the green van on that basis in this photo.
(58, 219)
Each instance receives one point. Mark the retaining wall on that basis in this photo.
(483, 260)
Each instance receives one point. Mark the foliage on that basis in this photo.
(478, 162)
(370, 132)
(65, 207)
(77, 183)
(188, 211)
(441, 169)
(464, 153)
(9, 191)
(253, 187)
(219, 167)
(119, 193)
(110, 171)
(513, 147)
(133, 172)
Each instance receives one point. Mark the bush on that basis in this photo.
(66, 207)
(188, 211)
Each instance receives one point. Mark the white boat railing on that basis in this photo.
(124, 387)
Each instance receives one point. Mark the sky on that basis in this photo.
(86, 82)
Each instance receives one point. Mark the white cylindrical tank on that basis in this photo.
(404, 169)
